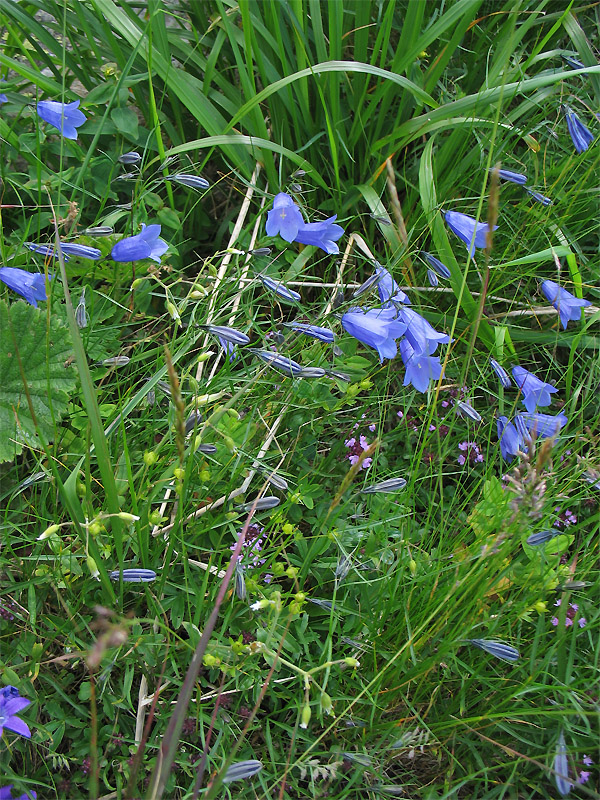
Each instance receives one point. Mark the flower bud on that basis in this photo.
(326, 704)
(204, 476)
(291, 572)
(179, 473)
(94, 528)
(305, 716)
(150, 457)
(352, 662)
(91, 564)
(412, 565)
(48, 532)
(288, 529)
(127, 517)
(137, 283)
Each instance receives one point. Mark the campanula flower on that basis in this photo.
(323, 334)
(229, 348)
(574, 63)
(262, 504)
(432, 278)
(11, 703)
(242, 770)
(581, 136)
(228, 334)
(130, 158)
(193, 181)
(133, 575)
(568, 306)
(280, 289)
(6, 793)
(30, 285)
(321, 234)
(3, 99)
(285, 218)
(541, 537)
(436, 265)
(368, 284)
(277, 361)
(511, 441)
(543, 426)
(465, 410)
(539, 198)
(422, 336)
(513, 177)
(387, 486)
(497, 649)
(502, 374)
(420, 367)
(65, 116)
(377, 328)
(388, 289)
(561, 767)
(535, 391)
(99, 230)
(81, 315)
(144, 245)
(471, 232)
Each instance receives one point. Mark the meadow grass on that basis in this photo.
(338, 643)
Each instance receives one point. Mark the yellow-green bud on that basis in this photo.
(155, 518)
(137, 283)
(326, 704)
(353, 390)
(209, 661)
(204, 357)
(278, 568)
(300, 597)
(204, 476)
(93, 568)
(212, 270)
(150, 457)
(412, 565)
(179, 473)
(80, 489)
(366, 384)
(229, 443)
(295, 608)
(197, 295)
(48, 532)
(540, 606)
(352, 662)
(127, 517)
(288, 529)
(94, 528)
(305, 716)
(291, 572)
(172, 309)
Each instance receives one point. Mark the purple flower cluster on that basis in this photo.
(470, 452)
(253, 545)
(356, 448)
(565, 518)
(285, 219)
(570, 618)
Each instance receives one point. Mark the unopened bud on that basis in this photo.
(48, 532)
(291, 572)
(305, 716)
(91, 564)
(326, 704)
(204, 356)
(179, 473)
(137, 283)
(127, 517)
(94, 528)
(412, 565)
(150, 457)
(352, 662)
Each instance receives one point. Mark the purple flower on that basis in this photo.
(543, 426)
(193, 181)
(539, 198)
(3, 99)
(420, 367)
(284, 218)
(535, 392)
(502, 374)
(280, 289)
(323, 334)
(6, 793)
(321, 234)
(511, 441)
(30, 285)
(377, 328)
(587, 761)
(513, 177)
(133, 575)
(144, 245)
(228, 347)
(497, 649)
(568, 306)
(583, 776)
(574, 63)
(388, 289)
(436, 265)
(581, 136)
(228, 334)
(471, 232)
(422, 336)
(561, 767)
(11, 703)
(65, 116)
(68, 250)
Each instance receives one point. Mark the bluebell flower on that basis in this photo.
(134, 575)
(436, 265)
(541, 537)
(192, 422)
(539, 198)
(432, 278)
(574, 63)
(497, 649)
(193, 181)
(323, 334)
(513, 177)
(11, 703)
(511, 441)
(568, 306)
(30, 285)
(377, 328)
(466, 410)
(99, 230)
(3, 98)
(229, 348)
(130, 158)
(242, 770)
(543, 426)
(6, 793)
(262, 504)
(581, 136)
(68, 250)
(321, 234)
(312, 372)
(387, 486)
(422, 336)
(388, 289)
(280, 289)
(535, 391)
(228, 334)
(277, 361)
(65, 116)
(368, 284)
(561, 767)
(81, 315)
(502, 374)
(285, 218)
(143, 245)
(420, 367)
(471, 232)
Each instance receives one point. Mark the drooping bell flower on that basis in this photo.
(144, 245)
(378, 328)
(535, 391)
(568, 306)
(421, 368)
(471, 232)
(30, 285)
(65, 116)
(581, 136)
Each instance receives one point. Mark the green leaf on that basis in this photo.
(35, 351)
(126, 121)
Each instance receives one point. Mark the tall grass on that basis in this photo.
(352, 675)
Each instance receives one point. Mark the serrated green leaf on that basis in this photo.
(29, 349)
